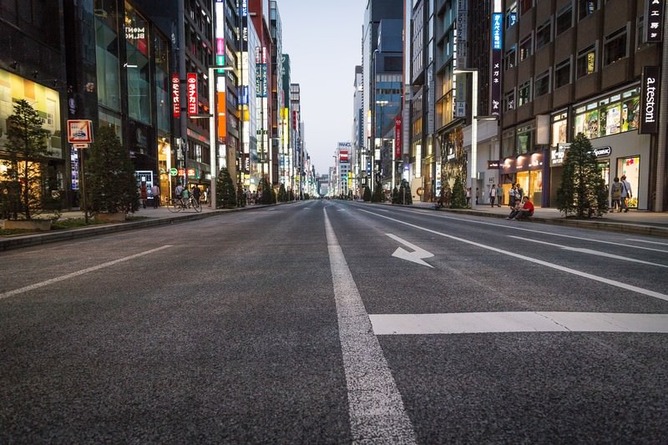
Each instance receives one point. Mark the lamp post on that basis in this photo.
(213, 120)
(473, 159)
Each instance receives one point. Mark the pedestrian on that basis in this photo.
(143, 194)
(626, 193)
(512, 196)
(523, 211)
(155, 191)
(616, 195)
(499, 195)
(468, 196)
(519, 192)
(196, 193)
(492, 195)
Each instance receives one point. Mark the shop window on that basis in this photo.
(587, 8)
(525, 6)
(524, 95)
(542, 84)
(615, 46)
(559, 129)
(562, 73)
(509, 101)
(586, 63)
(544, 34)
(526, 47)
(564, 19)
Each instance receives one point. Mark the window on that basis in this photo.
(562, 73)
(615, 46)
(524, 93)
(586, 63)
(509, 101)
(525, 5)
(544, 34)
(542, 84)
(510, 58)
(587, 8)
(526, 47)
(564, 19)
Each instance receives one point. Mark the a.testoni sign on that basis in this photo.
(649, 100)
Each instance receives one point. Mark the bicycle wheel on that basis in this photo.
(196, 205)
(175, 206)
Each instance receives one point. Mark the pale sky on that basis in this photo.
(323, 40)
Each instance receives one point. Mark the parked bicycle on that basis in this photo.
(178, 204)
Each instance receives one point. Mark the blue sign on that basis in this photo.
(497, 30)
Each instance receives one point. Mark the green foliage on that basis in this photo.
(367, 194)
(458, 200)
(282, 194)
(582, 191)
(110, 183)
(226, 193)
(241, 197)
(266, 192)
(378, 194)
(395, 195)
(405, 195)
(27, 150)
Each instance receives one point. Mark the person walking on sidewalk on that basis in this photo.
(616, 195)
(512, 197)
(492, 195)
(155, 191)
(499, 195)
(626, 193)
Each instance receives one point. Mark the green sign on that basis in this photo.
(173, 172)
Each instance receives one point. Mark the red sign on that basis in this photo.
(176, 95)
(398, 144)
(192, 94)
(343, 156)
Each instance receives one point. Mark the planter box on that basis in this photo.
(36, 225)
(110, 217)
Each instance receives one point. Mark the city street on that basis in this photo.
(336, 322)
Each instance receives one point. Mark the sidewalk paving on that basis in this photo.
(633, 222)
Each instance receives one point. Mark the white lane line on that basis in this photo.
(640, 290)
(78, 273)
(375, 406)
(589, 252)
(498, 322)
(647, 241)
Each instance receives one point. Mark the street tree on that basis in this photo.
(458, 200)
(226, 192)
(27, 152)
(110, 183)
(583, 191)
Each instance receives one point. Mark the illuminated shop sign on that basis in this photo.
(497, 31)
(176, 95)
(192, 94)
(649, 100)
(654, 11)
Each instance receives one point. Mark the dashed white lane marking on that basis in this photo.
(499, 322)
(375, 406)
(78, 273)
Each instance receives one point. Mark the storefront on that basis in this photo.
(527, 171)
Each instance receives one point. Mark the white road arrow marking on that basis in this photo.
(415, 256)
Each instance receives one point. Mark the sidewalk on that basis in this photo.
(635, 221)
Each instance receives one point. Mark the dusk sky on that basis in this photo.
(323, 40)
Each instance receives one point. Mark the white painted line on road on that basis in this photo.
(375, 406)
(415, 256)
(647, 241)
(640, 290)
(499, 322)
(78, 273)
(589, 251)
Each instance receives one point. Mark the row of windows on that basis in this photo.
(585, 8)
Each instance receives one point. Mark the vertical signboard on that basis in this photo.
(176, 95)
(495, 74)
(192, 94)
(649, 100)
(398, 143)
(462, 33)
(654, 11)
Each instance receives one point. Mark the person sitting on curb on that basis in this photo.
(524, 212)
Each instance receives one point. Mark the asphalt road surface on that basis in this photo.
(332, 322)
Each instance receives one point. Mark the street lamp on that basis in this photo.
(473, 161)
(213, 121)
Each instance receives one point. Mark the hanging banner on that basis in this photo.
(176, 95)
(398, 143)
(649, 100)
(654, 10)
(192, 94)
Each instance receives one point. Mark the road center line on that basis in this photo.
(78, 273)
(500, 322)
(375, 406)
(640, 290)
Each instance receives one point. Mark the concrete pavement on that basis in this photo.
(636, 222)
